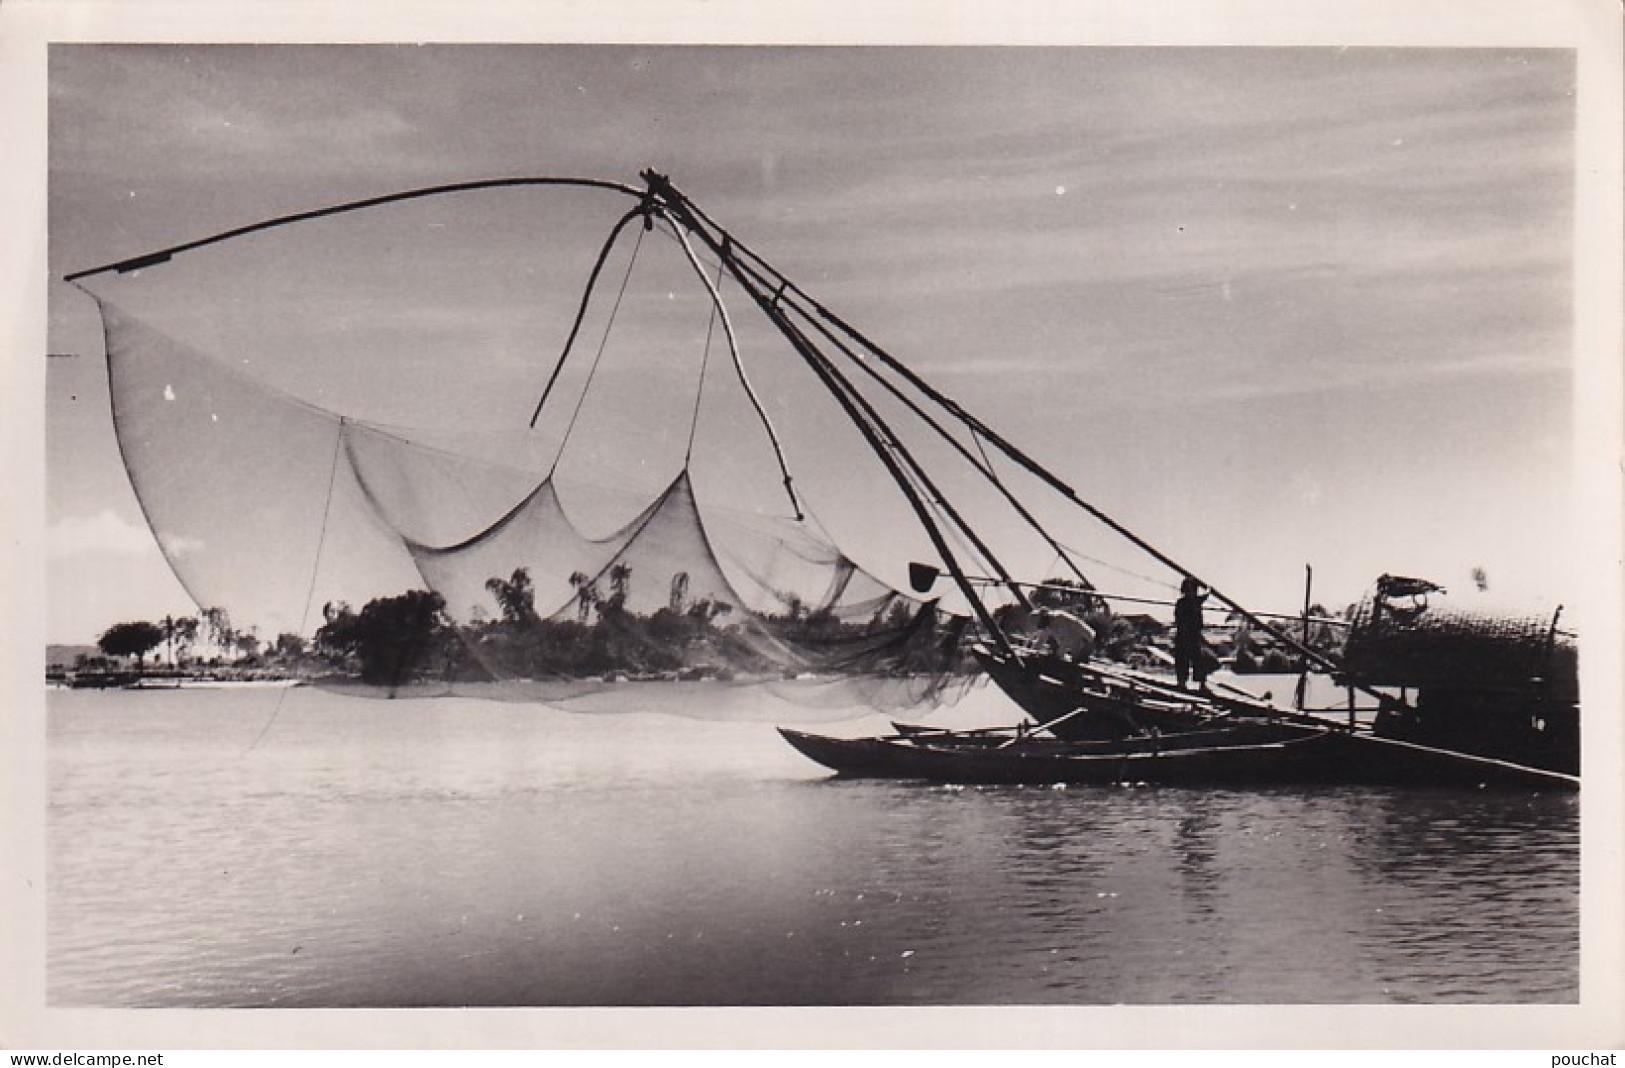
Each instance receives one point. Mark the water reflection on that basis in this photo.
(1195, 843)
(1486, 881)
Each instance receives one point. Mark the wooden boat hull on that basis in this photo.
(1231, 732)
(1307, 756)
(1065, 697)
(1083, 701)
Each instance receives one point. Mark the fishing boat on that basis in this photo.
(1228, 758)
(1090, 699)
(1148, 732)
(1096, 719)
(1496, 683)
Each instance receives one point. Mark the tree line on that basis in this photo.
(207, 639)
(393, 640)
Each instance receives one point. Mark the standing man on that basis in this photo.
(1188, 658)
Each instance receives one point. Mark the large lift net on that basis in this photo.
(534, 437)
(332, 429)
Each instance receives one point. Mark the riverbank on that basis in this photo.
(171, 679)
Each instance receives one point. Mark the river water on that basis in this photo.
(257, 848)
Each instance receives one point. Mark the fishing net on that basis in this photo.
(328, 428)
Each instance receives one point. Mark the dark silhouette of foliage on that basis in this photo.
(396, 639)
(1068, 594)
(698, 637)
(216, 622)
(515, 595)
(620, 586)
(131, 639)
(180, 635)
(586, 594)
(391, 639)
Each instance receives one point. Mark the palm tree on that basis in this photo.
(515, 596)
(217, 624)
(586, 594)
(169, 625)
(620, 578)
(185, 636)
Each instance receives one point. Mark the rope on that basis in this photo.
(984, 468)
(1121, 570)
(981, 450)
(581, 311)
(597, 357)
(908, 475)
(739, 366)
(705, 362)
(676, 200)
(315, 570)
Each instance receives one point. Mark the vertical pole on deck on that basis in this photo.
(1303, 677)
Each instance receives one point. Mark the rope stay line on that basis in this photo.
(933, 494)
(581, 310)
(662, 188)
(705, 364)
(340, 450)
(981, 465)
(739, 365)
(891, 452)
(874, 437)
(598, 357)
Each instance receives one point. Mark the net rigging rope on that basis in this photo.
(603, 343)
(900, 464)
(705, 363)
(581, 310)
(983, 468)
(1124, 571)
(775, 310)
(784, 296)
(315, 570)
(705, 225)
(739, 364)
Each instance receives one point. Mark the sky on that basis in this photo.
(1268, 307)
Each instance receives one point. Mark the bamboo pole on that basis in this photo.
(661, 188)
(150, 259)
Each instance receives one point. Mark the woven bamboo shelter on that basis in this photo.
(1406, 633)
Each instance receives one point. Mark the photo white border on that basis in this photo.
(1592, 27)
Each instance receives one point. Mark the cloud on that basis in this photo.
(104, 534)
(180, 544)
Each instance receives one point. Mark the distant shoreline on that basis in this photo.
(168, 679)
